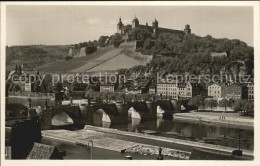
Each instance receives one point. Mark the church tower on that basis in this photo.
(135, 22)
(187, 29)
(120, 26)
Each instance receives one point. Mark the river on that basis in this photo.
(220, 134)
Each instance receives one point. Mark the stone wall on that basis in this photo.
(200, 154)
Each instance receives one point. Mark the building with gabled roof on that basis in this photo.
(44, 152)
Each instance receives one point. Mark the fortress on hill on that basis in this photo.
(155, 29)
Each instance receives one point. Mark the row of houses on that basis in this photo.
(182, 91)
(174, 90)
(178, 90)
(231, 91)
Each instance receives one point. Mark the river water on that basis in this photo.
(212, 133)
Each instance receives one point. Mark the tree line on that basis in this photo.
(241, 105)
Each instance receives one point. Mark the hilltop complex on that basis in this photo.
(154, 29)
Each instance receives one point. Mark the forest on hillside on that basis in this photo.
(177, 53)
(173, 53)
(34, 55)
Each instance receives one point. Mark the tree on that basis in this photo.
(238, 105)
(36, 87)
(16, 88)
(248, 107)
(140, 34)
(148, 44)
(102, 41)
(196, 101)
(211, 103)
(47, 84)
(128, 27)
(59, 92)
(224, 103)
(116, 40)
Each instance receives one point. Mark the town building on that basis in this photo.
(138, 86)
(178, 91)
(250, 91)
(217, 91)
(152, 90)
(44, 152)
(227, 91)
(234, 92)
(25, 79)
(22, 129)
(217, 54)
(107, 87)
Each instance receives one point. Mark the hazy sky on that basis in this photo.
(55, 25)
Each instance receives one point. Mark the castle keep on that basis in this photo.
(155, 29)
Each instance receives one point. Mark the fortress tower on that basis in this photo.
(120, 26)
(135, 22)
(187, 29)
(155, 24)
(155, 27)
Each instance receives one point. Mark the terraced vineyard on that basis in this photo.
(105, 59)
(68, 66)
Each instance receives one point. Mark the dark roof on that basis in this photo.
(42, 151)
(155, 21)
(15, 107)
(166, 30)
(108, 84)
(15, 111)
(146, 27)
(235, 84)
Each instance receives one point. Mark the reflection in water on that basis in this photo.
(194, 131)
(106, 124)
(135, 123)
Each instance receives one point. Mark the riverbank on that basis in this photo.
(102, 140)
(232, 119)
(117, 140)
(32, 97)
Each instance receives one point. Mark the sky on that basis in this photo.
(59, 25)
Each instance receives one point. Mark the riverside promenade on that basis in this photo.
(118, 141)
(221, 118)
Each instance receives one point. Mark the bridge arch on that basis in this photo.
(160, 111)
(105, 116)
(61, 119)
(134, 113)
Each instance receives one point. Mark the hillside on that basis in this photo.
(35, 55)
(105, 59)
(172, 53)
(70, 65)
(197, 55)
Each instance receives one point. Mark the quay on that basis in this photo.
(118, 141)
(231, 119)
